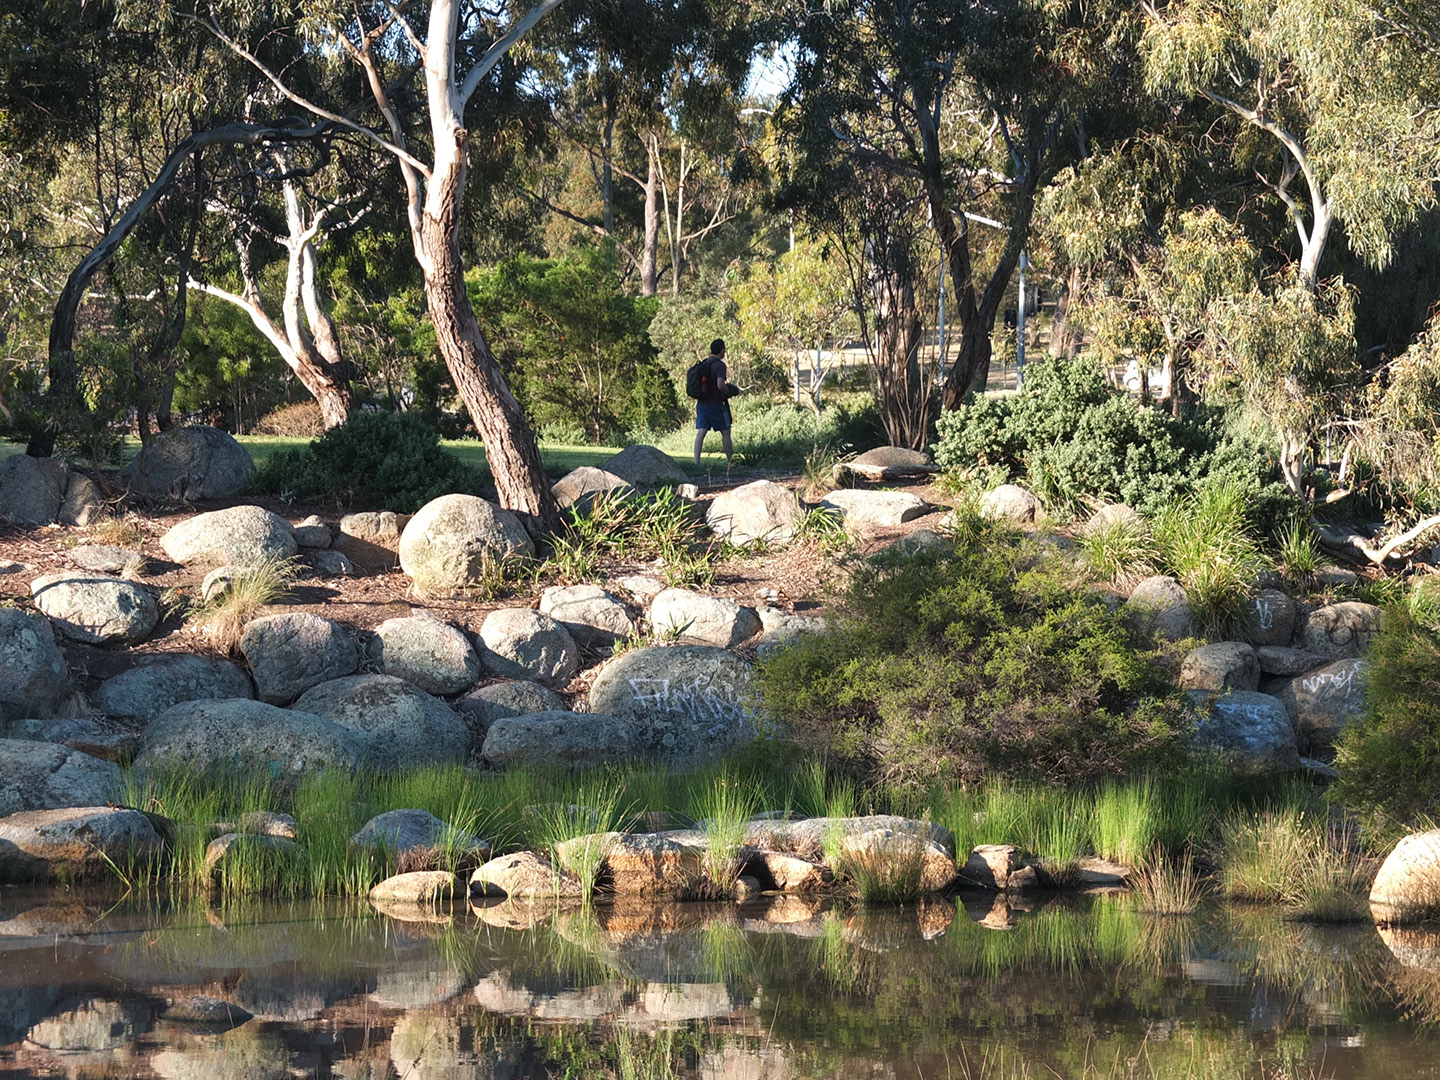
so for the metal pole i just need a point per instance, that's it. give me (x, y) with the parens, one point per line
(1020, 327)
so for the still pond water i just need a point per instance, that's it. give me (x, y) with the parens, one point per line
(771, 991)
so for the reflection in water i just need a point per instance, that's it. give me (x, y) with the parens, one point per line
(770, 991)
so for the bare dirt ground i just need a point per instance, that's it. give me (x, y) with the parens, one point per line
(798, 578)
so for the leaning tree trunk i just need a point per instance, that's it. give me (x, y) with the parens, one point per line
(650, 252)
(904, 401)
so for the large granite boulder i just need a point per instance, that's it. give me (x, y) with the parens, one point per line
(371, 541)
(75, 842)
(1250, 729)
(393, 724)
(695, 618)
(313, 533)
(1322, 701)
(246, 737)
(520, 643)
(32, 489)
(1223, 665)
(1339, 631)
(512, 697)
(95, 609)
(690, 700)
(425, 887)
(869, 510)
(1407, 886)
(593, 616)
(413, 840)
(759, 511)
(48, 776)
(1011, 503)
(583, 486)
(33, 673)
(157, 682)
(190, 463)
(639, 864)
(288, 654)
(1159, 607)
(1271, 618)
(237, 536)
(645, 467)
(450, 543)
(422, 650)
(524, 875)
(888, 463)
(561, 738)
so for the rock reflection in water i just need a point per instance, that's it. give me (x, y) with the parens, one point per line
(762, 990)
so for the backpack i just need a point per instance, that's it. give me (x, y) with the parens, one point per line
(700, 380)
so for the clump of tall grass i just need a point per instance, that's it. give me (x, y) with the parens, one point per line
(224, 614)
(1164, 886)
(1120, 551)
(1206, 541)
(886, 870)
(576, 834)
(1297, 554)
(724, 809)
(818, 476)
(1287, 856)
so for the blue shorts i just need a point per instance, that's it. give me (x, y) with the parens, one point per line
(712, 416)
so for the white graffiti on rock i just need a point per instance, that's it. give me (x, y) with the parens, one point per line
(700, 699)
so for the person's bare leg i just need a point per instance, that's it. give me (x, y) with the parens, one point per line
(725, 443)
(700, 443)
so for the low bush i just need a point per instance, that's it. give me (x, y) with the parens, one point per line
(975, 659)
(1206, 541)
(300, 420)
(391, 461)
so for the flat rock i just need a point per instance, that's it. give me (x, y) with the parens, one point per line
(102, 558)
(921, 540)
(1251, 729)
(1223, 665)
(524, 875)
(95, 609)
(513, 697)
(371, 540)
(1283, 660)
(394, 725)
(288, 654)
(330, 564)
(1407, 886)
(900, 856)
(1322, 701)
(1159, 607)
(33, 672)
(1271, 619)
(888, 463)
(864, 510)
(413, 840)
(690, 701)
(451, 542)
(422, 650)
(243, 736)
(581, 487)
(416, 887)
(645, 467)
(1339, 631)
(788, 873)
(1012, 503)
(32, 489)
(157, 682)
(520, 643)
(594, 616)
(205, 1011)
(694, 618)
(74, 842)
(48, 776)
(759, 511)
(562, 738)
(237, 536)
(81, 734)
(197, 462)
(93, 1025)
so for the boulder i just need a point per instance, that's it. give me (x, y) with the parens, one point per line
(513, 697)
(32, 489)
(989, 866)
(1250, 728)
(450, 543)
(1338, 631)
(886, 843)
(288, 654)
(80, 734)
(263, 855)
(330, 564)
(759, 511)
(920, 540)
(583, 486)
(525, 875)
(899, 857)
(313, 533)
(1407, 886)
(1159, 607)
(84, 502)
(371, 541)
(238, 536)
(210, 1013)
(642, 588)
(47, 776)
(157, 682)
(1114, 516)
(393, 724)
(95, 609)
(520, 643)
(694, 618)
(1283, 660)
(422, 650)
(1224, 665)
(1322, 701)
(190, 463)
(1012, 503)
(779, 628)
(267, 823)
(788, 873)
(593, 616)
(645, 467)
(33, 672)
(689, 700)
(411, 840)
(416, 887)
(561, 738)
(102, 558)
(243, 736)
(74, 842)
(640, 864)
(868, 510)
(1271, 618)
(888, 463)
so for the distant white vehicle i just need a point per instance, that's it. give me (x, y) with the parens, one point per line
(1158, 383)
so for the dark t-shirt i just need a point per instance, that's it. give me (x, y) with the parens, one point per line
(718, 371)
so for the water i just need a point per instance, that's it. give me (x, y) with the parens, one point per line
(772, 991)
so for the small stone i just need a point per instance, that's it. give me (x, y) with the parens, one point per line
(416, 887)
(313, 533)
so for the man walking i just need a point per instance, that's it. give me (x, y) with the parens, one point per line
(712, 412)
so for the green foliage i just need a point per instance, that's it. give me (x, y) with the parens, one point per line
(224, 615)
(1120, 551)
(1389, 757)
(981, 659)
(1286, 856)
(1206, 541)
(388, 460)
(574, 344)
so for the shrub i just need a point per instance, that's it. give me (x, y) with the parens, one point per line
(299, 420)
(388, 460)
(975, 659)
(1205, 540)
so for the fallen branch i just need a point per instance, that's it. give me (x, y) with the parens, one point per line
(1352, 543)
